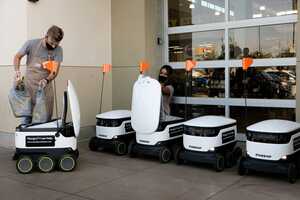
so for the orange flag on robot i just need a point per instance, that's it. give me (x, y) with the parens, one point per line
(144, 66)
(189, 65)
(247, 62)
(106, 68)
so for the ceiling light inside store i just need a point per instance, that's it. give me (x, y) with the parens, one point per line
(214, 7)
(192, 1)
(192, 6)
(262, 8)
(257, 15)
(217, 13)
(288, 12)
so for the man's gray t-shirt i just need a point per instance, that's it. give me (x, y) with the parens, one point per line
(29, 48)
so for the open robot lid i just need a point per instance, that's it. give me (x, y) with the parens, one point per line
(146, 102)
(75, 109)
(274, 126)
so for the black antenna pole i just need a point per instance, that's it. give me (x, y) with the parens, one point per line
(185, 95)
(245, 81)
(56, 109)
(102, 88)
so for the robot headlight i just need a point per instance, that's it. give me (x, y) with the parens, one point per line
(283, 157)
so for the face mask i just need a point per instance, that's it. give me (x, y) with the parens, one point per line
(162, 79)
(49, 47)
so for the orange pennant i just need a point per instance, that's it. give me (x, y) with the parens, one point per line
(247, 62)
(189, 65)
(144, 66)
(106, 68)
(51, 66)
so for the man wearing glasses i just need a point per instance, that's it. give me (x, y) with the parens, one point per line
(39, 51)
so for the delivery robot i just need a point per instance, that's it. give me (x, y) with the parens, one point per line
(46, 146)
(153, 136)
(209, 139)
(272, 146)
(113, 131)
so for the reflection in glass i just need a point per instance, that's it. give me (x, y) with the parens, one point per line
(250, 9)
(257, 114)
(190, 12)
(264, 82)
(275, 41)
(197, 110)
(209, 82)
(197, 46)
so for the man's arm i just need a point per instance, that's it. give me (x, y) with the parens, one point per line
(17, 60)
(18, 57)
(165, 90)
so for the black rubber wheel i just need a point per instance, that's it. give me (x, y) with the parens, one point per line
(292, 173)
(229, 160)
(219, 163)
(93, 144)
(24, 165)
(241, 169)
(131, 145)
(15, 156)
(177, 152)
(45, 163)
(67, 163)
(120, 148)
(165, 155)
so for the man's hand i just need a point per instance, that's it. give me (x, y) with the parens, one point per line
(43, 83)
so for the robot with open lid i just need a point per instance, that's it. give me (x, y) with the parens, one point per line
(209, 139)
(272, 146)
(153, 136)
(50, 144)
(113, 131)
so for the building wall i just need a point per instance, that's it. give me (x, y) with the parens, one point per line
(87, 45)
(136, 24)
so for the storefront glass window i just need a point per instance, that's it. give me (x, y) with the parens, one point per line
(209, 82)
(197, 46)
(247, 116)
(197, 110)
(251, 9)
(276, 41)
(191, 12)
(263, 82)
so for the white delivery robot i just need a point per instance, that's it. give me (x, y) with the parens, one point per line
(50, 144)
(113, 131)
(153, 137)
(211, 140)
(272, 146)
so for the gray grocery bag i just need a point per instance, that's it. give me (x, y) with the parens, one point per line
(39, 114)
(20, 100)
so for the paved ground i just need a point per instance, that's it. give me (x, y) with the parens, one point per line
(102, 175)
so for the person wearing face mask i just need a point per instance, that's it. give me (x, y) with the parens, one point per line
(167, 90)
(39, 51)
